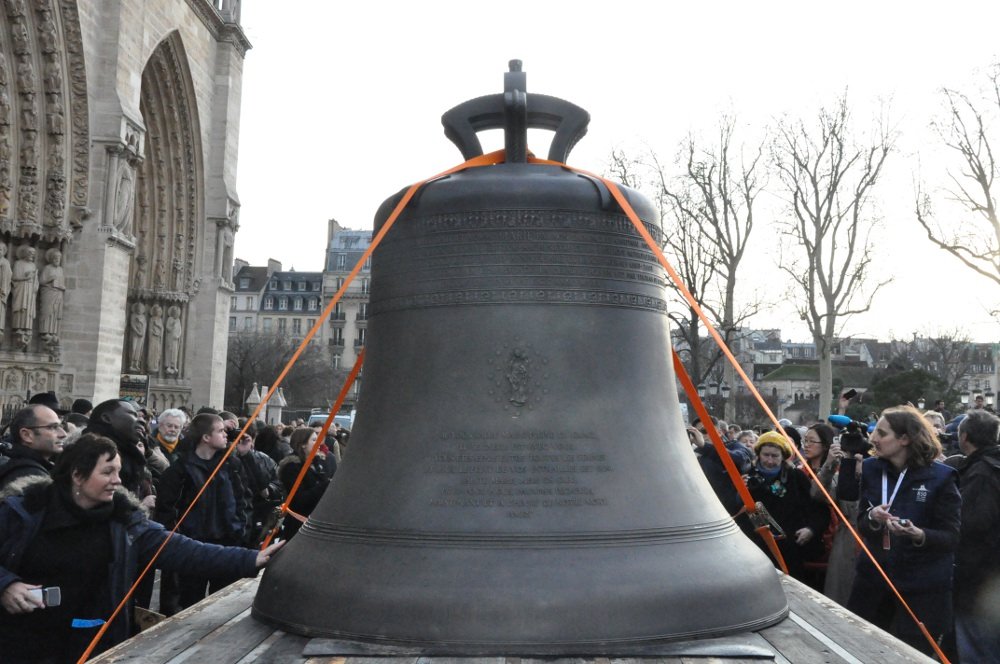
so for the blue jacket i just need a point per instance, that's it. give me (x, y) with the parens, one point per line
(929, 497)
(134, 540)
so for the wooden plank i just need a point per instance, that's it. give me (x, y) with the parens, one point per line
(279, 648)
(166, 640)
(796, 645)
(860, 638)
(231, 642)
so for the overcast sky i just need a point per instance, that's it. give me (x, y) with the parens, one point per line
(342, 104)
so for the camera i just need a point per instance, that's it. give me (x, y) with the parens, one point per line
(232, 435)
(51, 596)
(853, 434)
(904, 523)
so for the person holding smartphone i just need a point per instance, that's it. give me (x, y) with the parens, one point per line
(909, 517)
(80, 532)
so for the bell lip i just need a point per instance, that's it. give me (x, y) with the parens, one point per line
(360, 644)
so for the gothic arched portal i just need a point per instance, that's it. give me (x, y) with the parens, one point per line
(167, 200)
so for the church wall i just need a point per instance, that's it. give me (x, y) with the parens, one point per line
(119, 37)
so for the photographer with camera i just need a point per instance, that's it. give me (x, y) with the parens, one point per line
(840, 474)
(909, 516)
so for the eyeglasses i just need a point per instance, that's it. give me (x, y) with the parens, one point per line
(55, 426)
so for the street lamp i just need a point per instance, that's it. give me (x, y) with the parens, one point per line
(920, 403)
(989, 397)
(713, 388)
(724, 389)
(965, 398)
(701, 390)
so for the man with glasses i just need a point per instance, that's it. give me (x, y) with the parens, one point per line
(37, 436)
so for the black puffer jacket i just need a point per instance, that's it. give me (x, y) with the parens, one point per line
(978, 556)
(134, 540)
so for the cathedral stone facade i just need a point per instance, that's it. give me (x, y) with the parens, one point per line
(119, 122)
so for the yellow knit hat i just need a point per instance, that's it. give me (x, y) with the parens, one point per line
(776, 439)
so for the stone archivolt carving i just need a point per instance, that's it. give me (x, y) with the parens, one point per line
(49, 128)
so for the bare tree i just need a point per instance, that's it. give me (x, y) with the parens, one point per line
(972, 235)
(828, 178)
(708, 218)
(949, 356)
(256, 357)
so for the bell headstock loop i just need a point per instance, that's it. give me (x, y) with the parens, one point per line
(515, 111)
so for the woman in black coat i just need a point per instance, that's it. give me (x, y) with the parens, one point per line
(784, 491)
(313, 484)
(82, 532)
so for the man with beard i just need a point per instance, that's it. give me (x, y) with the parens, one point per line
(119, 421)
(169, 425)
(37, 437)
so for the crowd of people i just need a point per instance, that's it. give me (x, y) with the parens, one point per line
(921, 490)
(87, 497)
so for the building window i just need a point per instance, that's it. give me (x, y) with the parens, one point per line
(341, 261)
(244, 282)
(267, 325)
(310, 323)
(273, 285)
(283, 304)
(365, 286)
(368, 264)
(360, 341)
(232, 322)
(282, 325)
(316, 285)
(250, 302)
(296, 326)
(297, 305)
(336, 361)
(248, 323)
(313, 304)
(269, 302)
(232, 303)
(286, 285)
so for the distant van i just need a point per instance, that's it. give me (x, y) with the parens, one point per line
(316, 419)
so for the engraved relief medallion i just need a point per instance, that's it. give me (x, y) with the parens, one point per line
(518, 376)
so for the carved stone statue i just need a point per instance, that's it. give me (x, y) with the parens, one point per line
(137, 326)
(5, 275)
(24, 280)
(52, 288)
(155, 351)
(174, 331)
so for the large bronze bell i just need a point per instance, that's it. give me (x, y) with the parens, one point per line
(519, 480)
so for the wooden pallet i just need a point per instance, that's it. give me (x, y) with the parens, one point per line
(220, 630)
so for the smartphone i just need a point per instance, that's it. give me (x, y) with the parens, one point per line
(51, 596)
(850, 394)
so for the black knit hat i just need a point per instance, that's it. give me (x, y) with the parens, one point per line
(82, 406)
(47, 399)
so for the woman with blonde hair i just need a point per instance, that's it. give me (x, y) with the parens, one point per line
(909, 516)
